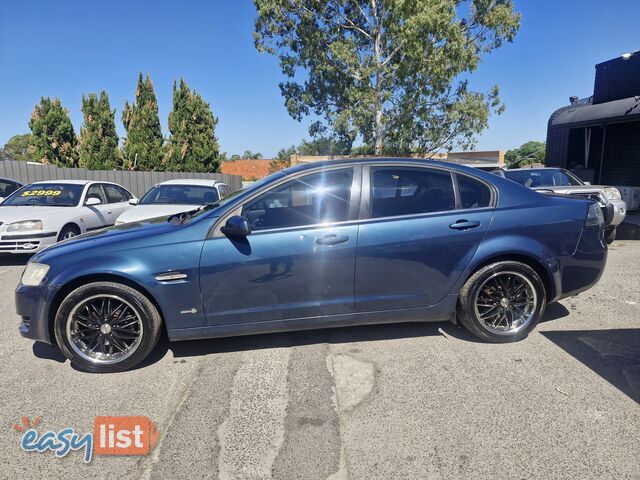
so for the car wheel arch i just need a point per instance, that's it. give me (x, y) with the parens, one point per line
(71, 224)
(70, 286)
(529, 260)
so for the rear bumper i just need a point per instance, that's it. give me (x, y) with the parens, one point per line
(582, 270)
(619, 211)
(26, 242)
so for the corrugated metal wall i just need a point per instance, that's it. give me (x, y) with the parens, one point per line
(136, 182)
(622, 155)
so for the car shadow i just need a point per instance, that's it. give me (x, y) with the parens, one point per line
(14, 259)
(342, 335)
(613, 354)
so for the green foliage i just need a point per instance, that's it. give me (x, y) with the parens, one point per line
(248, 154)
(53, 140)
(193, 146)
(98, 137)
(19, 147)
(143, 147)
(530, 152)
(391, 73)
(324, 145)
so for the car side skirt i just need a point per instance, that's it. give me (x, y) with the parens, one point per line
(442, 311)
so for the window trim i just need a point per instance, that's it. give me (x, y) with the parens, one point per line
(352, 212)
(365, 207)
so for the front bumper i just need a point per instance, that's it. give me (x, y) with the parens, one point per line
(26, 242)
(32, 304)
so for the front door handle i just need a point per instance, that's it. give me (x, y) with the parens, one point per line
(464, 224)
(332, 239)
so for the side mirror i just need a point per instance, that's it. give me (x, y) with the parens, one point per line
(91, 201)
(1, 199)
(236, 226)
(587, 183)
(133, 201)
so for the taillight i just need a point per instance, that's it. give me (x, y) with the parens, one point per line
(594, 216)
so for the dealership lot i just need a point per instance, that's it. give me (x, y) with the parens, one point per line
(391, 401)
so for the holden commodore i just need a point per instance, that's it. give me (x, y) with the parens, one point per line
(330, 244)
(44, 213)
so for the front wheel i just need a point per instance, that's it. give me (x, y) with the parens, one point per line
(502, 302)
(106, 327)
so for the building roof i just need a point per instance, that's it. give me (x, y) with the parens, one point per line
(585, 112)
(248, 169)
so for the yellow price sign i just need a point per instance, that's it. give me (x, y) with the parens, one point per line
(41, 193)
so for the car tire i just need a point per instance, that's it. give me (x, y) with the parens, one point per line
(134, 327)
(69, 231)
(502, 302)
(609, 235)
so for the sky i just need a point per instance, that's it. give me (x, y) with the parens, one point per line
(69, 48)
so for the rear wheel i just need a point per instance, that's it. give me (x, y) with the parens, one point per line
(106, 327)
(69, 231)
(502, 302)
(609, 235)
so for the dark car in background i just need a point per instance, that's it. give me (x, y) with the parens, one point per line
(321, 245)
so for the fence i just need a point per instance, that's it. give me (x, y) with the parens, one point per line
(136, 182)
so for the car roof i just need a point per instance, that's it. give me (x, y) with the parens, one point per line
(192, 181)
(534, 168)
(66, 182)
(388, 161)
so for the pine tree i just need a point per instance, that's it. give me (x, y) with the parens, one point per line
(193, 146)
(54, 140)
(98, 137)
(142, 149)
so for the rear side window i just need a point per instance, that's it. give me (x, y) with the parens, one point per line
(114, 194)
(410, 191)
(473, 194)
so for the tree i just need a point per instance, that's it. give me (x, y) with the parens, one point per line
(324, 145)
(248, 154)
(142, 148)
(390, 72)
(19, 147)
(193, 146)
(53, 140)
(98, 137)
(530, 152)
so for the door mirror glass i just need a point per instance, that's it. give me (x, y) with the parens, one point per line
(133, 201)
(236, 226)
(91, 201)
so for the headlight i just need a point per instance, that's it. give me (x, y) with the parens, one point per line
(26, 226)
(34, 274)
(612, 193)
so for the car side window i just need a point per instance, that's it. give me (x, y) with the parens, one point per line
(97, 192)
(125, 193)
(7, 188)
(114, 194)
(410, 191)
(316, 198)
(473, 194)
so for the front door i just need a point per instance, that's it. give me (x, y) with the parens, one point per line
(419, 237)
(299, 260)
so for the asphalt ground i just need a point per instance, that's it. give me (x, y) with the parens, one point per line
(389, 401)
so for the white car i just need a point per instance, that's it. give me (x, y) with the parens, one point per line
(43, 213)
(175, 196)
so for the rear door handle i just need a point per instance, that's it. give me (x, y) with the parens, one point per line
(332, 239)
(464, 224)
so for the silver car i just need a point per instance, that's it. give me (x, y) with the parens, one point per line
(561, 181)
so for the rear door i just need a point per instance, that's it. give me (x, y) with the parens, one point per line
(420, 233)
(118, 199)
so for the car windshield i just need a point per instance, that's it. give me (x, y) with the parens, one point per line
(543, 178)
(180, 194)
(46, 195)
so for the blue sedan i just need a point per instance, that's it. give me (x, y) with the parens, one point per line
(322, 245)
